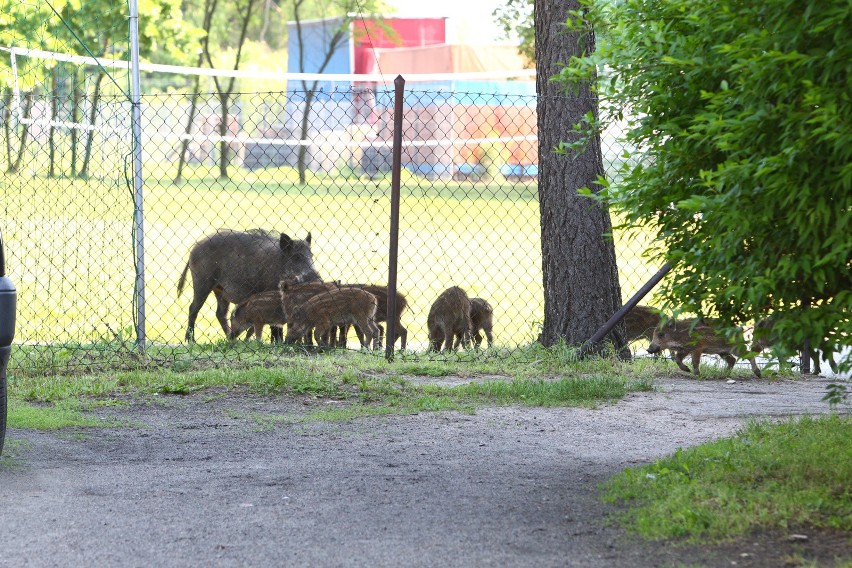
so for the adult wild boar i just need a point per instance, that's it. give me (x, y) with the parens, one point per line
(235, 265)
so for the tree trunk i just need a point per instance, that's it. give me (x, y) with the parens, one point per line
(225, 94)
(7, 124)
(90, 135)
(193, 106)
(264, 27)
(224, 147)
(25, 131)
(75, 119)
(581, 288)
(54, 116)
(302, 160)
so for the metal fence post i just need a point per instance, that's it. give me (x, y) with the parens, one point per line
(390, 337)
(138, 217)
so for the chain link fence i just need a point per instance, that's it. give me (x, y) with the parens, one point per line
(300, 163)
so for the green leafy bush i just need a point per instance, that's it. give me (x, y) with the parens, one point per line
(740, 112)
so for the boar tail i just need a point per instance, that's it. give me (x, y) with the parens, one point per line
(182, 280)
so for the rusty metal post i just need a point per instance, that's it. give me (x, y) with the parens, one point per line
(396, 166)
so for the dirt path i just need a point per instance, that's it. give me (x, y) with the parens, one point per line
(219, 482)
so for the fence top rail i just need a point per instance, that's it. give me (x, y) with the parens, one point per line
(273, 75)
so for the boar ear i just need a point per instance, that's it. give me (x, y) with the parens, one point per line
(285, 242)
(308, 238)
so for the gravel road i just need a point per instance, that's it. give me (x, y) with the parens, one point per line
(203, 480)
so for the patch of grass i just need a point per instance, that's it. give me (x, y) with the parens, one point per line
(63, 415)
(364, 383)
(796, 473)
(566, 391)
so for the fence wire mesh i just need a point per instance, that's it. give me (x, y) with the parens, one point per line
(300, 163)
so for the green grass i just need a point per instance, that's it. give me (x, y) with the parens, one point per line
(794, 474)
(63, 414)
(361, 384)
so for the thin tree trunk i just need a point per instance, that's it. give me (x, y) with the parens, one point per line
(335, 42)
(224, 148)
(90, 135)
(54, 112)
(7, 125)
(75, 119)
(225, 94)
(267, 8)
(209, 9)
(25, 131)
(193, 107)
(303, 148)
(581, 288)
(184, 144)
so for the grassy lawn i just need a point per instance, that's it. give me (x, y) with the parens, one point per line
(70, 242)
(791, 475)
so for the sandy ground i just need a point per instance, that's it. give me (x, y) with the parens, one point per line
(222, 481)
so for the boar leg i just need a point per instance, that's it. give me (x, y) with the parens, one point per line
(696, 360)
(754, 368)
(730, 360)
(402, 333)
(344, 335)
(465, 338)
(448, 340)
(489, 336)
(222, 310)
(677, 357)
(321, 334)
(375, 329)
(195, 307)
(380, 338)
(369, 333)
(360, 334)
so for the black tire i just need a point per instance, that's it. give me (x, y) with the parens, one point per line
(4, 362)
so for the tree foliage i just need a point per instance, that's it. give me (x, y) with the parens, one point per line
(741, 114)
(515, 18)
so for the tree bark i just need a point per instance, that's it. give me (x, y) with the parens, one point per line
(7, 125)
(581, 288)
(75, 119)
(93, 118)
(25, 131)
(54, 116)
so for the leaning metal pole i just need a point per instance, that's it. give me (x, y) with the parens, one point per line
(616, 317)
(136, 127)
(396, 166)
